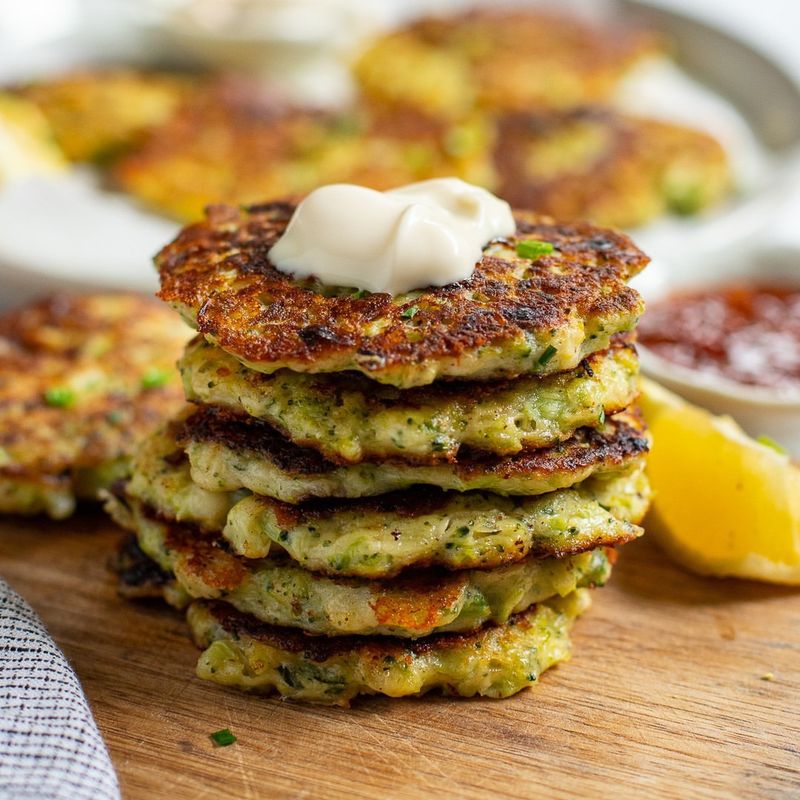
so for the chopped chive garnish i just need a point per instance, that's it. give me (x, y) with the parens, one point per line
(549, 352)
(222, 738)
(533, 248)
(767, 441)
(359, 294)
(154, 377)
(409, 312)
(59, 396)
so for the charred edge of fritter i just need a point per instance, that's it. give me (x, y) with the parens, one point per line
(622, 439)
(319, 648)
(241, 433)
(138, 576)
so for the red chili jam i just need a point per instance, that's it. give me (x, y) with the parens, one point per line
(743, 332)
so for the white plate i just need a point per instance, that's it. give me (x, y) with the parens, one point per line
(71, 232)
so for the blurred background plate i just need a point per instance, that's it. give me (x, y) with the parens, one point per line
(74, 232)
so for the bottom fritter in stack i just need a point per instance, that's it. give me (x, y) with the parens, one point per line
(335, 536)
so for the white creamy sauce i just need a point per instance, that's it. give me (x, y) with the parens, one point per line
(424, 234)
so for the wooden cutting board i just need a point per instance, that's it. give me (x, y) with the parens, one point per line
(665, 697)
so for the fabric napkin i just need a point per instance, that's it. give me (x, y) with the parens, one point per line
(49, 744)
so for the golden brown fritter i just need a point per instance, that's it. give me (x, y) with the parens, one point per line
(98, 114)
(229, 452)
(278, 591)
(495, 660)
(514, 316)
(234, 143)
(82, 379)
(498, 60)
(349, 418)
(596, 163)
(380, 536)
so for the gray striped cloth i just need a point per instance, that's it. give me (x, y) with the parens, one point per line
(49, 744)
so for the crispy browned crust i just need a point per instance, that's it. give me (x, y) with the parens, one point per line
(118, 339)
(319, 648)
(619, 181)
(621, 440)
(138, 576)
(512, 59)
(219, 270)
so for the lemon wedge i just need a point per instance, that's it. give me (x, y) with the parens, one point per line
(725, 504)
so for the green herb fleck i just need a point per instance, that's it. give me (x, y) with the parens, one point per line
(59, 396)
(359, 294)
(533, 248)
(409, 312)
(222, 738)
(772, 444)
(287, 676)
(549, 352)
(154, 377)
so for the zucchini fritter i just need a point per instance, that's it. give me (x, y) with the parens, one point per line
(349, 418)
(232, 143)
(82, 380)
(98, 114)
(514, 316)
(498, 60)
(596, 163)
(379, 537)
(494, 661)
(229, 452)
(277, 591)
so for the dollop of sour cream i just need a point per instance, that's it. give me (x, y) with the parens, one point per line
(425, 234)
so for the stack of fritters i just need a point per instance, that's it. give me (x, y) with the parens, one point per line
(376, 494)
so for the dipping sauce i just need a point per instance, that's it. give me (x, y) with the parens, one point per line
(748, 333)
(425, 234)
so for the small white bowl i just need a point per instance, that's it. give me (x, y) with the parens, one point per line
(760, 411)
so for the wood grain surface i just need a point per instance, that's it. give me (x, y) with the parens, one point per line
(665, 696)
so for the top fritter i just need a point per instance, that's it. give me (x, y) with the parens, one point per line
(538, 302)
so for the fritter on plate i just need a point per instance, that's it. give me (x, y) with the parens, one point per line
(237, 144)
(82, 380)
(498, 60)
(379, 537)
(513, 316)
(28, 146)
(277, 591)
(98, 114)
(596, 163)
(229, 452)
(494, 661)
(349, 418)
